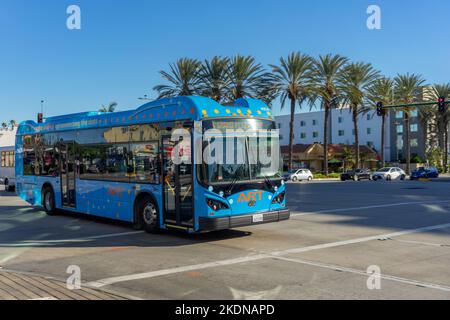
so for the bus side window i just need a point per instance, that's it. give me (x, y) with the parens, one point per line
(144, 162)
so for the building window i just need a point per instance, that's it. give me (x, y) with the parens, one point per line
(414, 143)
(302, 123)
(7, 159)
(279, 125)
(315, 134)
(370, 144)
(302, 135)
(399, 128)
(413, 113)
(314, 122)
(341, 133)
(340, 120)
(414, 128)
(368, 117)
(369, 130)
(281, 137)
(399, 115)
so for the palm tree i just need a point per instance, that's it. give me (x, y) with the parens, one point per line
(213, 79)
(12, 124)
(408, 90)
(111, 107)
(382, 91)
(245, 77)
(443, 90)
(292, 80)
(355, 81)
(183, 79)
(327, 70)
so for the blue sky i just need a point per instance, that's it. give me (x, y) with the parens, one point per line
(122, 45)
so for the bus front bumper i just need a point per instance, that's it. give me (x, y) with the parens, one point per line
(213, 224)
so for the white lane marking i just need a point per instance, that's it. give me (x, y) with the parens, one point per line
(11, 256)
(361, 272)
(227, 262)
(367, 207)
(364, 239)
(422, 243)
(34, 243)
(158, 273)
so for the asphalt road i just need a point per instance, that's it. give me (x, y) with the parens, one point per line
(337, 231)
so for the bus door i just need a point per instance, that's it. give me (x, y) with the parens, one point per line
(177, 184)
(67, 169)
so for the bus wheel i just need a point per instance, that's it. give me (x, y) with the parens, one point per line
(148, 215)
(48, 201)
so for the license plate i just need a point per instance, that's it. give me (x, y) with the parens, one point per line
(258, 218)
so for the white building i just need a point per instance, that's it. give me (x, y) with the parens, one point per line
(308, 129)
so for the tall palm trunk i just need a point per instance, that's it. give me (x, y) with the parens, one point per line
(383, 124)
(291, 132)
(445, 143)
(441, 131)
(325, 138)
(408, 143)
(355, 127)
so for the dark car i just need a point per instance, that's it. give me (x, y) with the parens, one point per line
(425, 173)
(356, 175)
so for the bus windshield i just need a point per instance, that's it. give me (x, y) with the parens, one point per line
(251, 156)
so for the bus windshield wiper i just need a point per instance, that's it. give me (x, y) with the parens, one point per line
(233, 182)
(231, 185)
(266, 178)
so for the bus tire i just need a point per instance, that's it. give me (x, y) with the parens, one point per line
(48, 201)
(148, 215)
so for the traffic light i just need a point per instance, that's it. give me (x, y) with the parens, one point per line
(380, 110)
(40, 117)
(441, 104)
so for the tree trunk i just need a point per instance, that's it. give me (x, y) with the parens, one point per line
(383, 122)
(291, 133)
(441, 131)
(325, 138)
(445, 143)
(355, 127)
(408, 143)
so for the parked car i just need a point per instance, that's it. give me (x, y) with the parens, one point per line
(287, 175)
(301, 174)
(389, 173)
(425, 173)
(356, 175)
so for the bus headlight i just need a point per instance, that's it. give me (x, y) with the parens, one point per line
(279, 198)
(216, 205)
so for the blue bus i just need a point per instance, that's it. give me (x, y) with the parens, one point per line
(120, 165)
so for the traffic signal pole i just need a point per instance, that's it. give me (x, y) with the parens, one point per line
(415, 104)
(442, 107)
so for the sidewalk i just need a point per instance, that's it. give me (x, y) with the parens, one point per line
(18, 286)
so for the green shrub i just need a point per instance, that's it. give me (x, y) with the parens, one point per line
(329, 176)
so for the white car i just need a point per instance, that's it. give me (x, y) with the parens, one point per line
(301, 174)
(388, 174)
